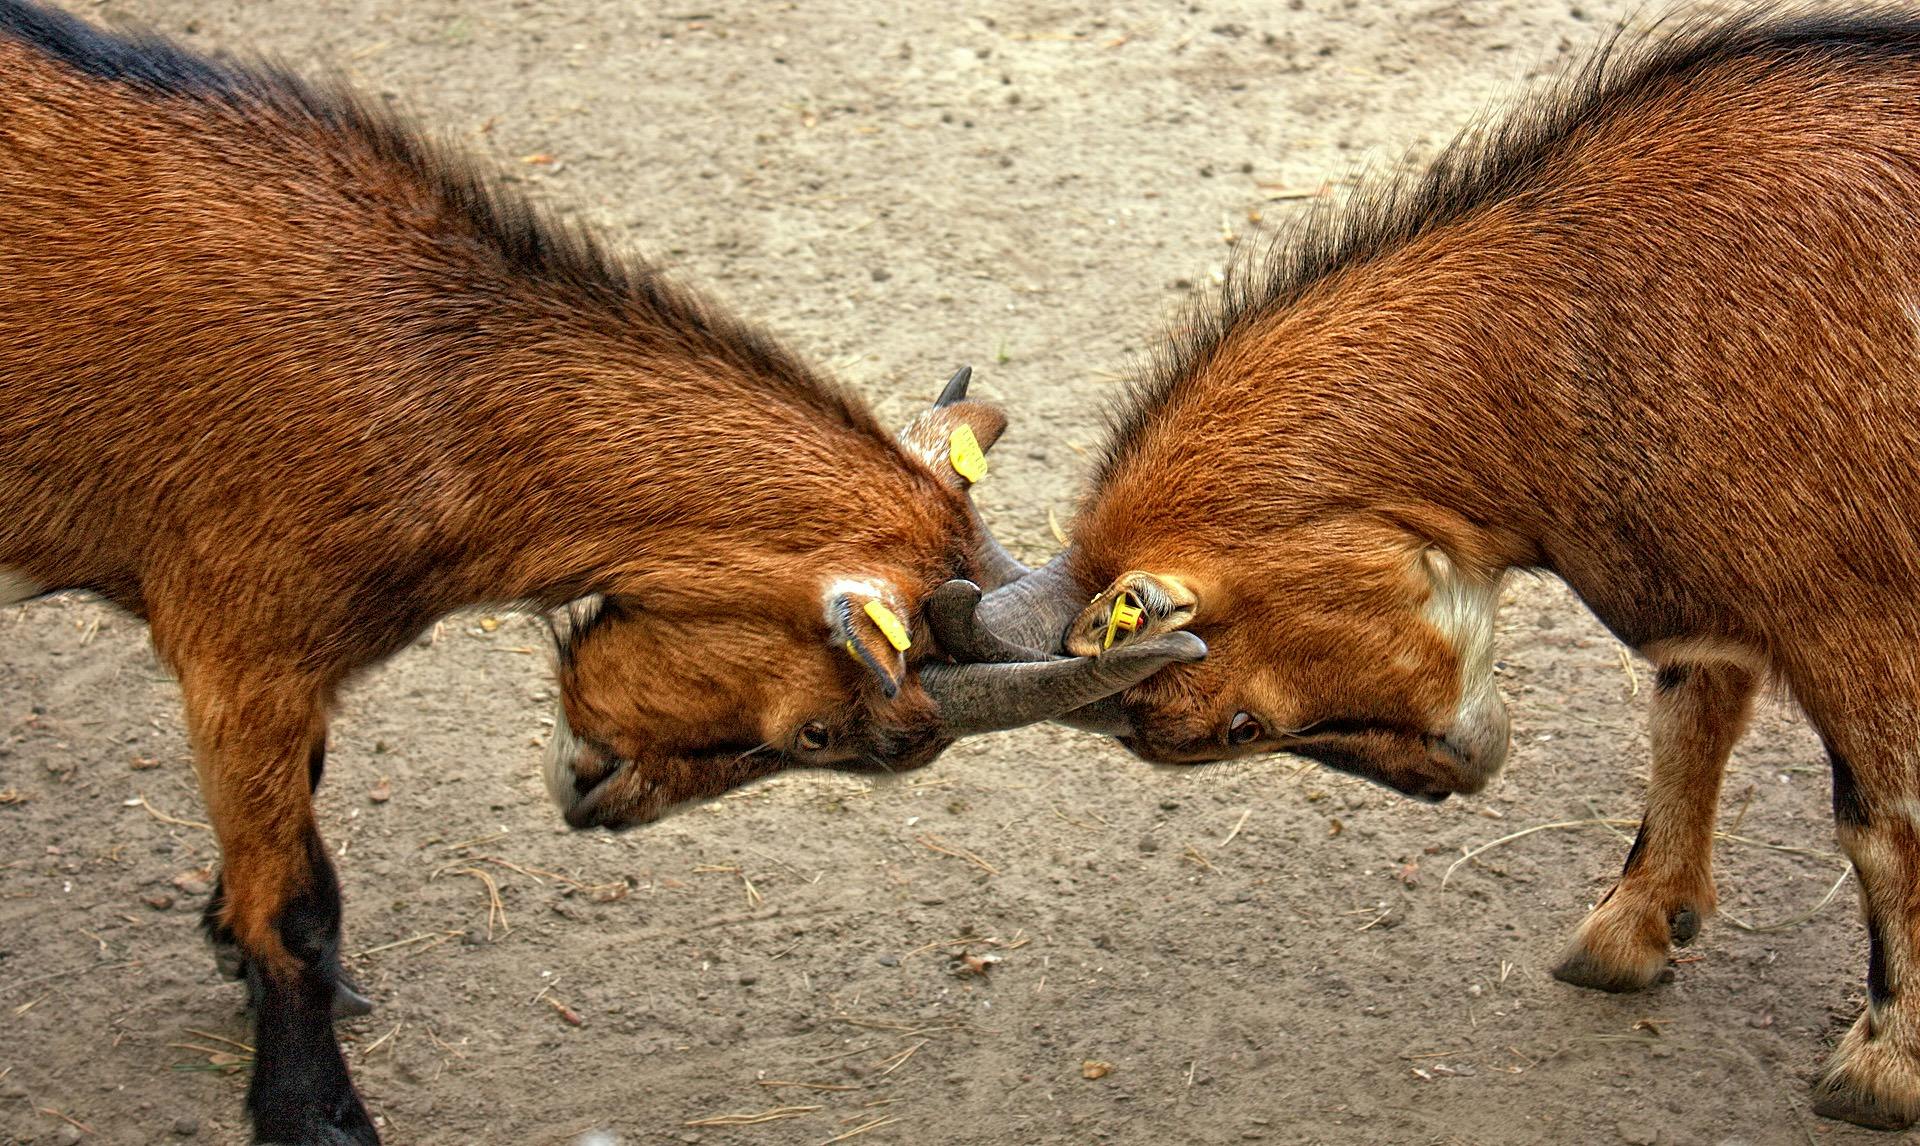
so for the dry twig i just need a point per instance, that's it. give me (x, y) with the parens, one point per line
(777, 1114)
(935, 843)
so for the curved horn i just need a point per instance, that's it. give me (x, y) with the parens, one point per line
(1035, 610)
(956, 388)
(998, 568)
(975, 698)
(951, 612)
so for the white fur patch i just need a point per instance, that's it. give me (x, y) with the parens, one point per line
(1463, 609)
(856, 589)
(561, 750)
(16, 587)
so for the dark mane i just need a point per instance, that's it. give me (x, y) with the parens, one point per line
(1484, 166)
(529, 243)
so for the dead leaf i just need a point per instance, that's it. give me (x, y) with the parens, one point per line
(381, 792)
(1094, 1068)
(971, 964)
(1335, 827)
(198, 881)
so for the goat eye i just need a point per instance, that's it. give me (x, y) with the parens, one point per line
(1243, 729)
(813, 736)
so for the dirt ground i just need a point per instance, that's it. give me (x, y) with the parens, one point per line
(1259, 952)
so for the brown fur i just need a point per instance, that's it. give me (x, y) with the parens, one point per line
(1658, 337)
(290, 384)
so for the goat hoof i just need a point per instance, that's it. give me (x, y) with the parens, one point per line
(1613, 952)
(1869, 1082)
(1581, 967)
(1845, 1104)
(324, 1136)
(348, 1002)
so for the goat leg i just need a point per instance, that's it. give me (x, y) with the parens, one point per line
(1665, 893)
(256, 739)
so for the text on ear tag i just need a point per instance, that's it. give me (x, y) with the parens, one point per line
(1126, 615)
(963, 449)
(889, 625)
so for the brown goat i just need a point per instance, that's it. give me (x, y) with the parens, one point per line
(289, 385)
(1659, 336)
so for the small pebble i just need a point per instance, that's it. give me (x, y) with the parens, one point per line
(889, 960)
(67, 1135)
(159, 901)
(186, 1127)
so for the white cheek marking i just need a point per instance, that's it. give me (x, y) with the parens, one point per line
(16, 587)
(850, 587)
(561, 750)
(1462, 608)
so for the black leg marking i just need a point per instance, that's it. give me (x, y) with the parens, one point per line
(1633, 853)
(1670, 677)
(300, 1091)
(1879, 993)
(231, 962)
(1849, 803)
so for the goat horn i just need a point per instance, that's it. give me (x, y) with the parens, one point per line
(975, 698)
(951, 612)
(1034, 611)
(956, 388)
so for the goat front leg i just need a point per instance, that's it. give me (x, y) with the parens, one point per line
(255, 738)
(348, 1001)
(1873, 1077)
(1666, 890)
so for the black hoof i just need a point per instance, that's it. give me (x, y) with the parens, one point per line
(1579, 968)
(327, 1136)
(1847, 1105)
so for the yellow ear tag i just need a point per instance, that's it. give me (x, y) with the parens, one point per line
(889, 625)
(969, 461)
(1126, 615)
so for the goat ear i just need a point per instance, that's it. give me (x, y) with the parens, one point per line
(1136, 606)
(955, 433)
(860, 621)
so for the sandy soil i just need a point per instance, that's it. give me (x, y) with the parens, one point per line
(1265, 951)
